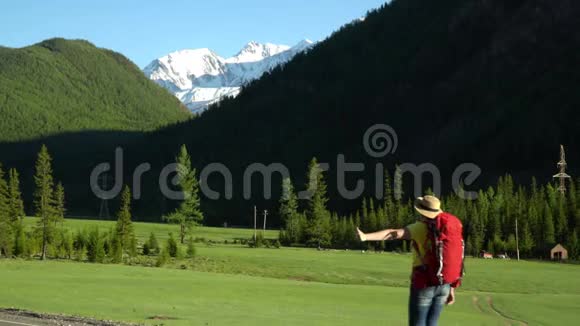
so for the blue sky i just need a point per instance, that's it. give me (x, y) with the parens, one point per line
(144, 30)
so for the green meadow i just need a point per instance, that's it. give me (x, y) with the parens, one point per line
(161, 231)
(236, 285)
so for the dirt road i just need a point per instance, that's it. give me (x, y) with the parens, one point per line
(15, 317)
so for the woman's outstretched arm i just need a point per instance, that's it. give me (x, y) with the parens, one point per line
(384, 235)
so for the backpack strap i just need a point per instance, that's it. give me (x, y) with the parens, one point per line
(438, 250)
(416, 247)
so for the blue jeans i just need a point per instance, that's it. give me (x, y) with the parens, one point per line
(425, 305)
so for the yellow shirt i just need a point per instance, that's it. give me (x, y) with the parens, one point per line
(418, 232)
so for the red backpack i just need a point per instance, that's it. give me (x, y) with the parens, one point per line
(443, 262)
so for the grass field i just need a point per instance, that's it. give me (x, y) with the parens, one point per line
(234, 285)
(162, 231)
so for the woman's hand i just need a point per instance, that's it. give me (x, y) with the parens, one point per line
(451, 297)
(361, 235)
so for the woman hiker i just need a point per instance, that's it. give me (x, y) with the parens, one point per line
(437, 242)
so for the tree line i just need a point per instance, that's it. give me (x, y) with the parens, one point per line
(49, 206)
(50, 238)
(544, 216)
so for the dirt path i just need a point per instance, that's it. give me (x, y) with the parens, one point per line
(491, 309)
(507, 318)
(476, 305)
(16, 317)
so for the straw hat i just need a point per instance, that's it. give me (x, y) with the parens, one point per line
(428, 206)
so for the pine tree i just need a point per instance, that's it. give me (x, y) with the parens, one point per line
(510, 244)
(59, 202)
(15, 203)
(561, 223)
(482, 206)
(145, 250)
(534, 210)
(80, 244)
(67, 244)
(172, 246)
(405, 213)
(498, 245)
(460, 207)
(95, 247)
(335, 229)
(381, 219)
(548, 237)
(43, 198)
(153, 244)
(365, 216)
(474, 235)
(526, 239)
(344, 237)
(572, 202)
(397, 219)
(289, 215)
(388, 204)
(573, 246)
(503, 207)
(350, 233)
(552, 196)
(319, 232)
(356, 221)
(188, 214)
(398, 182)
(577, 212)
(20, 241)
(163, 257)
(124, 228)
(508, 213)
(133, 246)
(16, 213)
(117, 250)
(494, 224)
(534, 226)
(372, 216)
(6, 225)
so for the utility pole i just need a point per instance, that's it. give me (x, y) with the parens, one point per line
(104, 209)
(265, 215)
(255, 213)
(562, 176)
(517, 243)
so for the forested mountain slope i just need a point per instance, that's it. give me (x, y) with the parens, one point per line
(61, 85)
(489, 82)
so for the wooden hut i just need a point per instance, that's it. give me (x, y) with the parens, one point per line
(559, 253)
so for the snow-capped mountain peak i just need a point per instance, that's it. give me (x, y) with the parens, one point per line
(175, 70)
(254, 51)
(305, 43)
(199, 77)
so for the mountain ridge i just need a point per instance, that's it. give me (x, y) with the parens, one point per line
(200, 77)
(60, 85)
